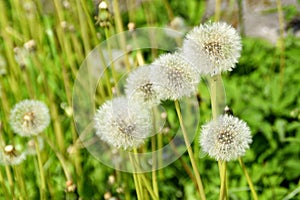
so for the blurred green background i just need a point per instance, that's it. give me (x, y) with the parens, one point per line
(43, 43)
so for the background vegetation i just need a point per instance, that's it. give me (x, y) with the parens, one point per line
(263, 90)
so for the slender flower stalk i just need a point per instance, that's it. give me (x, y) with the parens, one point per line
(223, 190)
(41, 170)
(190, 152)
(137, 184)
(3, 186)
(254, 194)
(218, 102)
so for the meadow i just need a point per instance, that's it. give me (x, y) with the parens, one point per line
(73, 56)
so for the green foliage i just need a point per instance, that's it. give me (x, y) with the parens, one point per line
(259, 90)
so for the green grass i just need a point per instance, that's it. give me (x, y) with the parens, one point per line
(258, 90)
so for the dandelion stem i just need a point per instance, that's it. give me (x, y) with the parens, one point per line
(185, 166)
(218, 101)
(222, 167)
(281, 43)
(154, 156)
(218, 10)
(190, 152)
(169, 9)
(248, 179)
(3, 186)
(135, 179)
(20, 180)
(159, 160)
(148, 187)
(141, 177)
(61, 158)
(41, 169)
(10, 181)
(119, 27)
(154, 165)
(111, 61)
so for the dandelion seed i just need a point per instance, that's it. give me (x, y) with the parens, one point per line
(213, 47)
(29, 117)
(10, 156)
(226, 138)
(70, 187)
(31, 146)
(174, 77)
(139, 87)
(30, 46)
(177, 26)
(122, 123)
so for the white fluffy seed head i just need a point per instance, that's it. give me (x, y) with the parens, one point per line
(140, 88)
(10, 156)
(213, 47)
(226, 138)
(29, 117)
(122, 123)
(174, 77)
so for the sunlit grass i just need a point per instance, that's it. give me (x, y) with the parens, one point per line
(44, 43)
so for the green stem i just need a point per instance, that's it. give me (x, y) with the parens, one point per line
(223, 193)
(61, 159)
(218, 10)
(10, 181)
(148, 187)
(41, 169)
(111, 61)
(136, 180)
(190, 152)
(154, 165)
(119, 27)
(20, 180)
(254, 194)
(3, 186)
(154, 156)
(217, 104)
(281, 43)
(169, 9)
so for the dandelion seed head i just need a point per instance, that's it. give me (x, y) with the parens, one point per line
(174, 76)
(29, 117)
(10, 156)
(213, 47)
(140, 88)
(31, 146)
(226, 138)
(122, 123)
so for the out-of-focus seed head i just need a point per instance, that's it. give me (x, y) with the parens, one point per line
(29, 117)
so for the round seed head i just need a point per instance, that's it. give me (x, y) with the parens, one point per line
(29, 117)
(122, 123)
(140, 88)
(225, 138)
(213, 48)
(174, 77)
(10, 156)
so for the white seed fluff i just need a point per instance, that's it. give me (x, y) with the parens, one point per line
(174, 77)
(122, 123)
(29, 117)
(213, 47)
(140, 88)
(226, 138)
